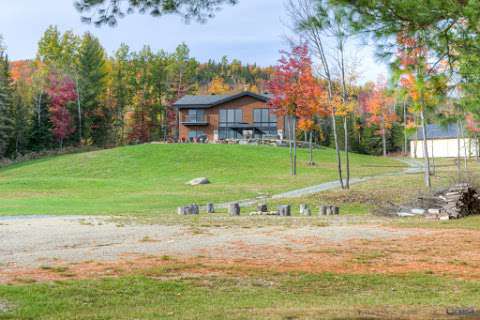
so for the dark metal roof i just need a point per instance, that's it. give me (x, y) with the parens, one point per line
(214, 100)
(435, 131)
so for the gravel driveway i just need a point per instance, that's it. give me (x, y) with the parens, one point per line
(36, 241)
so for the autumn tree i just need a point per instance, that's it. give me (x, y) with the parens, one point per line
(57, 53)
(315, 105)
(218, 86)
(61, 91)
(381, 112)
(295, 93)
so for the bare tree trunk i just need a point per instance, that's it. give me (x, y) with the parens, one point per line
(290, 142)
(79, 111)
(434, 172)
(122, 131)
(428, 182)
(335, 135)
(347, 153)
(337, 149)
(311, 148)
(294, 145)
(416, 141)
(17, 143)
(477, 148)
(384, 139)
(465, 154)
(470, 147)
(39, 108)
(405, 142)
(459, 170)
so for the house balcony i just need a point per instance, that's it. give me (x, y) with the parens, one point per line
(195, 121)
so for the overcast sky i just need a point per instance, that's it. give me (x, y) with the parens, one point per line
(252, 31)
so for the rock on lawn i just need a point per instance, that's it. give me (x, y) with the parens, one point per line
(198, 181)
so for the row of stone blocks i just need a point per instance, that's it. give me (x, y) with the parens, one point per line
(194, 209)
(262, 209)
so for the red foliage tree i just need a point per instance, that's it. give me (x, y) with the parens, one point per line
(61, 91)
(296, 92)
(140, 132)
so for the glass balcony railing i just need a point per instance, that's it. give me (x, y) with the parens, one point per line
(199, 119)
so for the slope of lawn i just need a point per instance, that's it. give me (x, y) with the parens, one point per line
(151, 178)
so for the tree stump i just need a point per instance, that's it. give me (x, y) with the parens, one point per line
(234, 209)
(285, 211)
(210, 208)
(323, 210)
(263, 208)
(194, 209)
(329, 211)
(336, 210)
(183, 211)
(304, 209)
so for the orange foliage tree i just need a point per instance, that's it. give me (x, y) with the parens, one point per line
(380, 111)
(296, 93)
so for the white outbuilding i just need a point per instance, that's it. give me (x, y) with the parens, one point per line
(442, 142)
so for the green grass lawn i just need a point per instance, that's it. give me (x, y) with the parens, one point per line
(159, 294)
(151, 179)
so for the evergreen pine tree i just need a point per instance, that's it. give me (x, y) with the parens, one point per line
(19, 112)
(92, 77)
(40, 136)
(6, 100)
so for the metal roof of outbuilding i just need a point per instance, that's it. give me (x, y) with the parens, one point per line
(435, 131)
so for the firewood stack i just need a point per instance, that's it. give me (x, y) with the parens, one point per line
(458, 201)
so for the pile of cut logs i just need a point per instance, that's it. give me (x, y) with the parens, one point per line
(459, 201)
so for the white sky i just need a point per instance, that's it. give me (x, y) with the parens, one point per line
(252, 31)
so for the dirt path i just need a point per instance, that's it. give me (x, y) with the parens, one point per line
(414, 166)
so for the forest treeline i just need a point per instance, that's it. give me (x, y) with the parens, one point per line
(75, 94)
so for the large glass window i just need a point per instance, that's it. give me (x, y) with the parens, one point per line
(228, 118)
(266, 120)
(195, 116)
(195, 134)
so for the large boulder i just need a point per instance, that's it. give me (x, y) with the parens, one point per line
(198, 181)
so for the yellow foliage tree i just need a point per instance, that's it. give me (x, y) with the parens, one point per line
(218, 86)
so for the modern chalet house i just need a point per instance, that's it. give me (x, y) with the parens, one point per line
(242, 115)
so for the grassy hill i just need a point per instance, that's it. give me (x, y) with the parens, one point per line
(151, 179)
